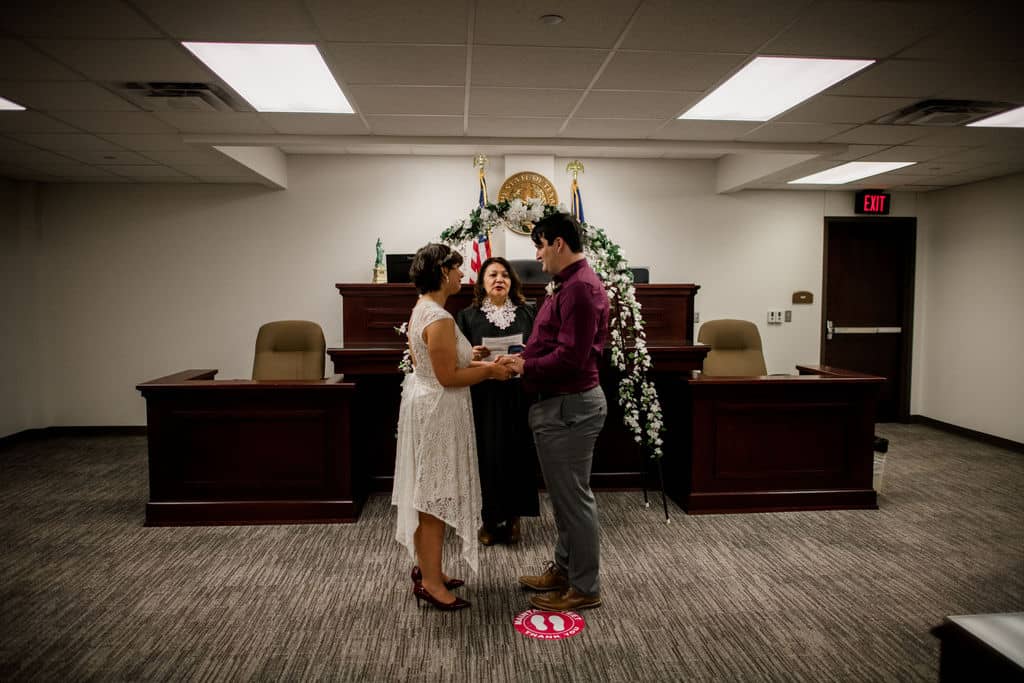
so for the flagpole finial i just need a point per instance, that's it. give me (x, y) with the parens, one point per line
(480, 161)
(575, 167)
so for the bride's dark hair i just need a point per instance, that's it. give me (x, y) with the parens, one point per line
(425, 271)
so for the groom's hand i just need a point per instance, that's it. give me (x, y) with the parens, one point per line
(515, 362)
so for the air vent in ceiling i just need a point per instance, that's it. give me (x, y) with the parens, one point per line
(944, 113)
(174, 96)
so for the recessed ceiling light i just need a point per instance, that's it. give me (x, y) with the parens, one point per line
(552, 19)
(275, 77)
(768, 86)
(855, 170)
(7, 105)
(1008, 119)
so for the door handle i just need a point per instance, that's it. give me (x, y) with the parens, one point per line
(828, 329)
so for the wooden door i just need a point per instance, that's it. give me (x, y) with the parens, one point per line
(868, 295)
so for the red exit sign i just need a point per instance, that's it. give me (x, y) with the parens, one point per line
(873, 202)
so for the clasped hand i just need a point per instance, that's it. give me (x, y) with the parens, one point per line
(513, 361)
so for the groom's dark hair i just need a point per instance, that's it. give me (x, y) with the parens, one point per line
(557, 225)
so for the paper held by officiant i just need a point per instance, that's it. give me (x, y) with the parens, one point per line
(498, 346)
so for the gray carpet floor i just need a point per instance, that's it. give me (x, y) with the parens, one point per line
(88, 593)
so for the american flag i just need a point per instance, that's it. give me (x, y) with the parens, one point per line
(482, 244)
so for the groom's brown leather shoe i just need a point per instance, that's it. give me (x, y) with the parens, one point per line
(553, 579)
(569, 601)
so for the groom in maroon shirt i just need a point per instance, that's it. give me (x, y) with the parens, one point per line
(560, 364)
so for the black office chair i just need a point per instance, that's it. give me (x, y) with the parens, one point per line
(529, 271)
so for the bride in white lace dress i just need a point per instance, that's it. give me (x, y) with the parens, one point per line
(436, 473)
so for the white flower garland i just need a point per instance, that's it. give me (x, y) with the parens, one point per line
(637, 394)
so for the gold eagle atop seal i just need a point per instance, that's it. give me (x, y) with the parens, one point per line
(525, 186)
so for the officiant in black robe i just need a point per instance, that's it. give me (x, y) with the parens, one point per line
(505, 450)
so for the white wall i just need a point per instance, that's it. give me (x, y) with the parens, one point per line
(969, 322)
(25, 379)
(138, 281)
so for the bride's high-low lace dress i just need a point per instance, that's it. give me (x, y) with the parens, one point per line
(435, 464)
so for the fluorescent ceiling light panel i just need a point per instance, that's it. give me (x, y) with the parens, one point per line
(1008, 119)
(847, 173)
(768, 86)
(7, 105)
(271, 77)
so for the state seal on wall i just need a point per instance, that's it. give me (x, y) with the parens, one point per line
(525, 186)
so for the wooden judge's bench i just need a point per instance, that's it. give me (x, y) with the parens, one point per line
(372, 349)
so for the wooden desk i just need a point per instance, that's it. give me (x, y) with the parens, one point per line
(799, 442)
(372, 349)
(245, 452)
(981, 647)
(618, 462)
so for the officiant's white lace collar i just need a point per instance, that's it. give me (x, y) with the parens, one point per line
(499, 316)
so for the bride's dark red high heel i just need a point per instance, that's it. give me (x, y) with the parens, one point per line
(450, 584)
(422, 593)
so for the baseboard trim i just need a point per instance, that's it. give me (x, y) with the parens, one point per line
(46, 432)
(1008, 444)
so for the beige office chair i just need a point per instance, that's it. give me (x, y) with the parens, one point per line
(735, 349)
(289, 349)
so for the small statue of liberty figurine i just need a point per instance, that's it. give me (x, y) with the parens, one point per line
(380, 274)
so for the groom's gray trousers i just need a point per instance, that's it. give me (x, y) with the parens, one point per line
(565, 428)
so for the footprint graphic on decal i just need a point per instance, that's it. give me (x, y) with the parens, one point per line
(537, 621)
(557, 622)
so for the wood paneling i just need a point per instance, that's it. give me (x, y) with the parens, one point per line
(245, 452)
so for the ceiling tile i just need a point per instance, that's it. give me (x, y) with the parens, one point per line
(667, 71)
(535, 66)
(515, 127)
(709, 25)
(222, 170)
(795, 132)
(215, 122)
(962, 136)
(415, 125)
(21, 62)
(73, 169)
(64, 96)
(854, 152)
(875, 134)
(391, 21)
(15, 172)
(981, 156)
(588, 23)
(65, 142)
(113, 157)
(522, 101)
(152, 171)
(975, 32)
(115, 122)
(614, 128)
(704, 130)
(12, 145)
(32, 157)
(934, 167)
(398, 64)
(841, 109)
(130, 60)
(897, 78)
(145, 143)
(195, 157)
(911, 153)
(854, 29)
(398, 99)
(74, 19)
(278, 21)
(31, 122)
(316, 124)
(636, 104)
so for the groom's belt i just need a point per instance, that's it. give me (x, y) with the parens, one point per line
(545, 395)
